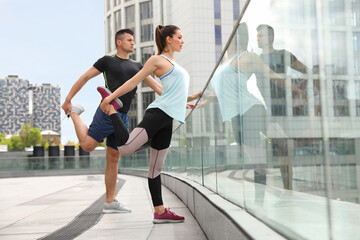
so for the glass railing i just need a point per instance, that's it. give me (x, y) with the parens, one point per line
(277, 128)
(22, 165)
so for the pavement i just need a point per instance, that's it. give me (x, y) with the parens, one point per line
(39, 207)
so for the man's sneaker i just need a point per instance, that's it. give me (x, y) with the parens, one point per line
(167, 217)
(106, 92)
(115, 207)
(77, 109)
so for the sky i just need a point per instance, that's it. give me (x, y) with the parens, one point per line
(54, 42)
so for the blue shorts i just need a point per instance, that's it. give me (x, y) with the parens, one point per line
(101, 127)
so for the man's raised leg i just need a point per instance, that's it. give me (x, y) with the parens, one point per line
(86, 142)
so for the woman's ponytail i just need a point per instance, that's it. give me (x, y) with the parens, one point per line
(159, 40)
(161, 33)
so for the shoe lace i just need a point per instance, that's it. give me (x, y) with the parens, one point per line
(172, 213)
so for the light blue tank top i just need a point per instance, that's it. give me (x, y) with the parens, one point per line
(175, 91)
(230, 86)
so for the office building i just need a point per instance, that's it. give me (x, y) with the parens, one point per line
(14, 104)
(205, 25)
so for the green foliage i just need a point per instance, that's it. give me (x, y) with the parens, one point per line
(35, 137)
(2, 138)
(24, 134)
(46, 145)
(73, 143)
(16, 143)
(102, 144)
(28, 137)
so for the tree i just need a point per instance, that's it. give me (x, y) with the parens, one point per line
(24, 134)
(2, 138)
(16, 143)
(35, 137)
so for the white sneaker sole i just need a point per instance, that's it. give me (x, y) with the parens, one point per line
(116, 211)
(167, 221)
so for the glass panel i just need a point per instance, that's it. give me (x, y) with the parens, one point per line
(130, 17)
(276, 131)
(109, 34)
(338, 55)
(117, 20)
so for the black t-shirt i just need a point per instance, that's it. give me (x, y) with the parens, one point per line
(279, 60)
(116, 72)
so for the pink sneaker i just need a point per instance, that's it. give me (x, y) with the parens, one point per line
(167, 217)
(106, 92)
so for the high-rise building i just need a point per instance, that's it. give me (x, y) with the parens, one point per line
(22, 103)
(46, 107)
(205, 24)
(14, 104)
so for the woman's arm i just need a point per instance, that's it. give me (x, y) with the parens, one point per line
(152, 83)
(194, 96)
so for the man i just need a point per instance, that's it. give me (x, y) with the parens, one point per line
(116, 69)
(279, 61)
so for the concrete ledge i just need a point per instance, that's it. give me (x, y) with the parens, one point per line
(218, 218)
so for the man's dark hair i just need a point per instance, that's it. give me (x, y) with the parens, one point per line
(121, 33)
(270, 29)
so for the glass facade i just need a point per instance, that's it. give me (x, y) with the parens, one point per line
(276, 131)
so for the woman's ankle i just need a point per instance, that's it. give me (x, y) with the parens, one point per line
(159, 209)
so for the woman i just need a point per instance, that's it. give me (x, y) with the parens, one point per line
(157, 122)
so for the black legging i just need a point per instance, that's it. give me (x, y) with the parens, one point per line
(157, 126)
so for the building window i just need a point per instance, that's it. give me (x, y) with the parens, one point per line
(218, 35)
(338, 53)
(278, 97)
(300, 107)
(109, 33)
(133, 55)
(279, 147)
(146, 53)
(146, 10)
(357, 95)
(236, 9)
(355, 13)
(117, 20)
(307, 147)
(336, 12)
(317, 103)
(342, 146)
(148, 97)
(146, 14)
(133, 105)
(218, 41)
(130, 18)
(341, 102)
(217, 9)
(356, 39)
(132, 123)
(147, 33)
(117, 2)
